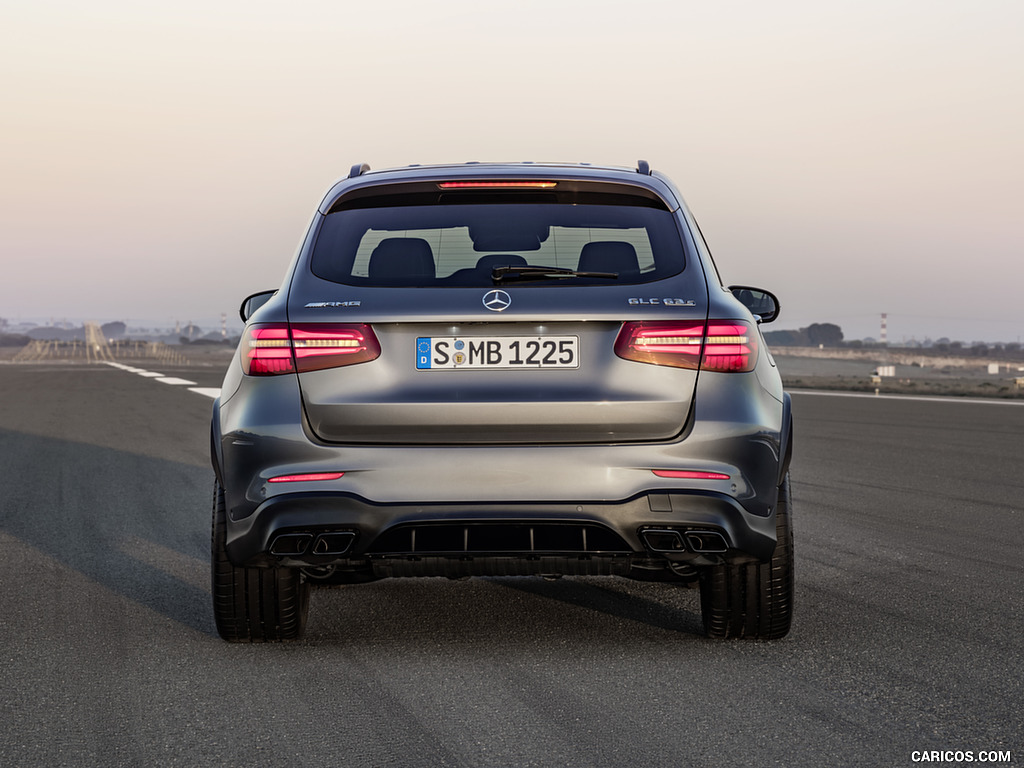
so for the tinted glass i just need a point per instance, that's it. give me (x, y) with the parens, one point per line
(459, 245)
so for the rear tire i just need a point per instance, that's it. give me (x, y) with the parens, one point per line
(753, 601)
(253, 605)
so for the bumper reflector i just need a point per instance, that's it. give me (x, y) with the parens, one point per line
(690, 474)
(309, 477)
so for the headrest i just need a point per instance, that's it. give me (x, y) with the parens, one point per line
(402, 260)
(610, 256)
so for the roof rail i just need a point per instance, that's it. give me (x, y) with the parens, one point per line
(358, 170)
(642, 166)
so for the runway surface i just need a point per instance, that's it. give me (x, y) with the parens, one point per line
(907, 636)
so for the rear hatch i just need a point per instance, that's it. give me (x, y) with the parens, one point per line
(491, 318)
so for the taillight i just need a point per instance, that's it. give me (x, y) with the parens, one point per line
(330, 346)
(269, 349)
(728, 346)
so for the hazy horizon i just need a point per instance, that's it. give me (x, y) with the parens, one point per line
(853, 158)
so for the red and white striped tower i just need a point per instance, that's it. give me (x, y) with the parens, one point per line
(884, 337)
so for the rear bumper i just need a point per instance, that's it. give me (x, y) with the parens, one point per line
(651, 530)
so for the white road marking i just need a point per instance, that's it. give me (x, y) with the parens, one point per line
(211, 392)
(917, 398)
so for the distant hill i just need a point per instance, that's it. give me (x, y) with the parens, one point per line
(14, 340)
(52, 333)
(114, 330)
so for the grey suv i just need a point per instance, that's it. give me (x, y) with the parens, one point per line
(502, 370)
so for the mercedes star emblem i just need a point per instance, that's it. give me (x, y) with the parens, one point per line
(496, 301)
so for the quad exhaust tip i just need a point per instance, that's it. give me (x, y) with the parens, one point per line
(291, 544)
(333, 543)
(663, 541)
(700, 542)
(706, 542)
(298, 544)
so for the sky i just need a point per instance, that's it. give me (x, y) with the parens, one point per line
(159, 161)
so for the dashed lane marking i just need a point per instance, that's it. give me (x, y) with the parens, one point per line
(211, 392)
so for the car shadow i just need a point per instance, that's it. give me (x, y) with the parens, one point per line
(523, 612)
(618, 597)
(135, 525)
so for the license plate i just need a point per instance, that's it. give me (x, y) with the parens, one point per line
(439, 353)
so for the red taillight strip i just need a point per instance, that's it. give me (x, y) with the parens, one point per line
(316, 341)
(658, 341)
(320, 346)
(281, 348)
(306, 478)
(729, 347)
(720, 345)
(267, 350)
(690, 474)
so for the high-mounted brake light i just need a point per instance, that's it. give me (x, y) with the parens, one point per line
(727, 346)
(269, 349)
(308, 477)
(689, 474)
(497, 184)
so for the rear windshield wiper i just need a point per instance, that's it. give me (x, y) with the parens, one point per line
(531, 272)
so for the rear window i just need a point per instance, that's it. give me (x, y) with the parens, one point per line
(459, 245)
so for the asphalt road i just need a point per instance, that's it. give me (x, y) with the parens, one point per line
(907, 635)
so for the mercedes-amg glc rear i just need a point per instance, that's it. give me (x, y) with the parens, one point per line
(496, 370)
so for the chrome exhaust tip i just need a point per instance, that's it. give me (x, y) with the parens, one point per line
(290, 544)
(663, 540)
(336, 543)
(706, 542)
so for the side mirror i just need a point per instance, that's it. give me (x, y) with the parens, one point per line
(763, 305)
(251, 303)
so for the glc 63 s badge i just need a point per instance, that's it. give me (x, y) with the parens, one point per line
(664, 302)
